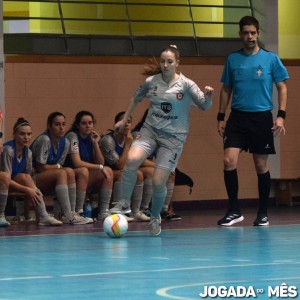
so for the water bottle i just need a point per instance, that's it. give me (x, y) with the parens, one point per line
(87, 212)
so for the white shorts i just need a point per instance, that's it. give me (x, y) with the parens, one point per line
(165, 147)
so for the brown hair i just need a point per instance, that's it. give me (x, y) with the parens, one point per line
(153, 67)
(20, 122)
(248, 20)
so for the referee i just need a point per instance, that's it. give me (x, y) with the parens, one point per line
(248, 78)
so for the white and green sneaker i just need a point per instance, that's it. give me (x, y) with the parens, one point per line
(154, 226)
(121, 208)
(74, 219)
(3, 221)
(140, 217)
(49, 221)
(101, 216)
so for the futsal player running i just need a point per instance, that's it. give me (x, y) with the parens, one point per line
(16, 160)
(49, 151)
(84, 152)
(165, 130)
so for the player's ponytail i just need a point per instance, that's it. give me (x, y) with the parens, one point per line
(152, 67)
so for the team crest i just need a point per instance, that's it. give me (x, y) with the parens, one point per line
(138, 136)
(166, 107)
(179, 96)
(154, 91)
(259, 71)
(75, 146)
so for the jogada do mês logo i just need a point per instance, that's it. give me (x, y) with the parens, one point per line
(250, 292)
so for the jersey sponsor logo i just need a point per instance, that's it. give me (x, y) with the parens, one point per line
(164, 117)
(45, 154)
(75, 146)
(179, 96)
(166, 107)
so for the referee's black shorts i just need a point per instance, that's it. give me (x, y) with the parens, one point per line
(250, 131)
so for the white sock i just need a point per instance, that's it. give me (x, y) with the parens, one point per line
(136, 198)
(147, 194)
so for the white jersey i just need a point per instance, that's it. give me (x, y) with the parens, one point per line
(170, 104)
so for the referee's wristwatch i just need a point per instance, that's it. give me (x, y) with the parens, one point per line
(1, 134)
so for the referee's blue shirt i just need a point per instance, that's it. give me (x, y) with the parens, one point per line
(251, 77)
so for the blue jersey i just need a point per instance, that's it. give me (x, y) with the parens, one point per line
(251, 77)
(44, 152)
(13, 164)
(81, 146)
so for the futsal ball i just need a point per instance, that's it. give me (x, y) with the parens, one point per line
(115, 225)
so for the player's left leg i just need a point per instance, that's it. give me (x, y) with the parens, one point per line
(264, 187)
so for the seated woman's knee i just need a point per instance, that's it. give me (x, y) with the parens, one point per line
(70, 173)
(5, 178)
(140, 177)
(23, 178)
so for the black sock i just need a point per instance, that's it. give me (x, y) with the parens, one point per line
(264, 187)
(232, 187)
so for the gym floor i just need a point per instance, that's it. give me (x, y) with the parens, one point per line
(191, 256)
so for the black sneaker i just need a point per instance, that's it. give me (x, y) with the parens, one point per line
(261, 220)
(170, 215)
(231, 218)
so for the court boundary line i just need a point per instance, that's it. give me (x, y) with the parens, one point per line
(145, 271)
(142, 231)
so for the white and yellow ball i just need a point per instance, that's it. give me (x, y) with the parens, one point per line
(115, 225)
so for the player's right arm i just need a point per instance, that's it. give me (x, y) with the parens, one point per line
(130, 109)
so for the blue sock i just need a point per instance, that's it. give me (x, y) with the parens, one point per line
(158, 199)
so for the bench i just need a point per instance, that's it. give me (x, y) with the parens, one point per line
(24, 208)
(284, 190)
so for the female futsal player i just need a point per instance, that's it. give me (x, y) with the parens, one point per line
(165, 130)
(16, 160)
(49, 151)
(84, 151)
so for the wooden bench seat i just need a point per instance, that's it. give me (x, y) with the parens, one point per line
(284, 190)
(24, 207)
